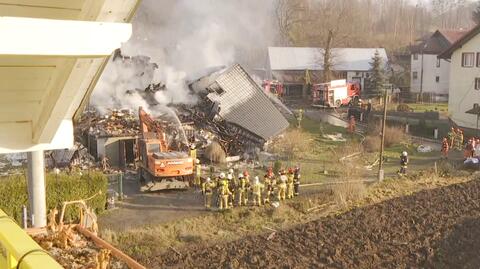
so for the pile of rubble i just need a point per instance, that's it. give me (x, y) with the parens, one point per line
(73, 251)
(205, 129)
(117, 123)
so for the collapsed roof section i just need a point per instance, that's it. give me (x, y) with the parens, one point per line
(240, 101)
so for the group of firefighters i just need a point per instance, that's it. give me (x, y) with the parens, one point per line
(456, 140)
(228, 190)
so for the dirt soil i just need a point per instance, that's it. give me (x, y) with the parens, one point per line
(436, 228)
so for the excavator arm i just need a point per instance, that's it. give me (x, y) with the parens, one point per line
(150, 126)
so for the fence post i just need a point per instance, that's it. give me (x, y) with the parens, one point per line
(120, 185)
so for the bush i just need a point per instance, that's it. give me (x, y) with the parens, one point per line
(59, 188)
(394, 135)
(371, 143)
(293, 145)
(215, 153)
(404, 108)
(349, 191)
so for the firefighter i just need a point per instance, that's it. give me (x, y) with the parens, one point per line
(105, 163)
(270, 173)
(243, 185)
(469, 149)
(282, 186)
(299, 117)
(232, 186)
(241, 188)
(224, 194)
(296, 180)
(268, 183)
(207, 190)
(403, 163)
(351, 124)
(257, 189)
(218, 186)
(459, 140)
(451, 137)
(198, 174)
(445, 148)
(290, 180)
(193, 152)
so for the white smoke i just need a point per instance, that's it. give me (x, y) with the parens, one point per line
(185, 37)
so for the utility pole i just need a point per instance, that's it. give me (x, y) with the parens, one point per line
(421, 73)
(381, 172)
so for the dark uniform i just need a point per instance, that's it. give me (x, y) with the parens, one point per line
(403, 164)
(296, 181)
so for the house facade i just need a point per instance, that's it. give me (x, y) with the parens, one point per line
(464, 57)
(296, 66)
(430, 75)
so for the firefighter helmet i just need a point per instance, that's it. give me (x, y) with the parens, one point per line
(222, 175)
(405, 154)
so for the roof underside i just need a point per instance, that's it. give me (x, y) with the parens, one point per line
(344, 59)
(459, 43)
(38, 92)
(245, 104)
(438, 42)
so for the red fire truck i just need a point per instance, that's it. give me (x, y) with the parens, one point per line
(335, 93)
(274, 87)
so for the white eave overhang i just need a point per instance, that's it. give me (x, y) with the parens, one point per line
(51, 55)
(29, 36)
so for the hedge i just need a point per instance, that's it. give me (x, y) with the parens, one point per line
(59, 188)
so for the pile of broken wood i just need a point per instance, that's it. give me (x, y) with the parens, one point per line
(231, 138)
(72, 250)
(117, 123)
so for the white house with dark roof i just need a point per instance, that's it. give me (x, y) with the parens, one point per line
(464, 57)
(290, 64)
(429, 74)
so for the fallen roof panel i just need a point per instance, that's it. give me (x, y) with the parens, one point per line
(243, 103)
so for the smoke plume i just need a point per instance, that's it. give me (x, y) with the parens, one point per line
(181, 39)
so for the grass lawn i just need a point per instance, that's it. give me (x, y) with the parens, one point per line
(418, 107)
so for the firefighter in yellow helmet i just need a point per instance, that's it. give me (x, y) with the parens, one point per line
(282, 186)
(268, 182)
(224, 192)
(207, 190)
(290, 180)
(242, 189)
(198, 174)
(257, 189)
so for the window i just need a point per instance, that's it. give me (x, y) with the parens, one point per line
(478, 59)
(437, 79)
(468, 59)
(477, 84)
(415, 75)
(438, 62)
(415, 56)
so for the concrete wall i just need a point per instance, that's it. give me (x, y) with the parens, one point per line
(430, 72)
(462, 86)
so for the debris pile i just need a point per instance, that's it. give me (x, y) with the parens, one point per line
(207, 129)
(117, 123)
(73, 251)
(76, 157)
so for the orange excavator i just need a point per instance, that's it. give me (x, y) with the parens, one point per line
(160, 168)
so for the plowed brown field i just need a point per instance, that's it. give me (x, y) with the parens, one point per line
(437, 228)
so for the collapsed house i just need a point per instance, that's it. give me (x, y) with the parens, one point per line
(113, 137)
(232, 111)
(235, 110)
